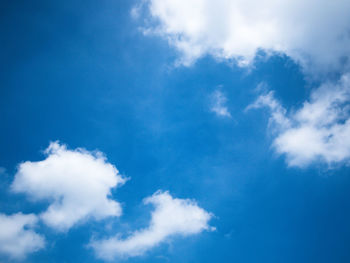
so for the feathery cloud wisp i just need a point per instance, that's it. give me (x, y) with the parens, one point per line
(218, 104)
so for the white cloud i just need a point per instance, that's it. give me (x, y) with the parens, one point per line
(77, 183)
(318, 131)
(278, 113)
(172, 216)
(314, 33)
(16, 238)
(218, 104)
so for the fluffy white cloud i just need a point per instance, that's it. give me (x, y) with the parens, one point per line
(315, 33)
(172, 216)
(319, 130)
(77, 183)
(16, 237)
(218, 104)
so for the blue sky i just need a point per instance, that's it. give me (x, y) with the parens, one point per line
(148, 131)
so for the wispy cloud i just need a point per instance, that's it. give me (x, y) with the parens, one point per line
(218, 104)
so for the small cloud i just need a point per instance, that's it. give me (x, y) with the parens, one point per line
(317, 131)
(171, 216)
(77, 183)
(218, 104)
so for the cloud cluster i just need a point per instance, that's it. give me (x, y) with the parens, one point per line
(77, 183)
(171, 216)
(17, 238)
(318, 131)
(313, 33)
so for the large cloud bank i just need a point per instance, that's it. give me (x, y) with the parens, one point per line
(314, 33)
(77, 183)
(17, 238)
(171, 216)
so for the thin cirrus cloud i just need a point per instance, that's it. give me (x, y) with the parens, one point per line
(171, 217)
(318, 131)
(235, 29)
(17, 238)
(77, 183)
(218, 104)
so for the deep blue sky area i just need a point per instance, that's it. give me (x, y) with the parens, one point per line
(82, 73)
